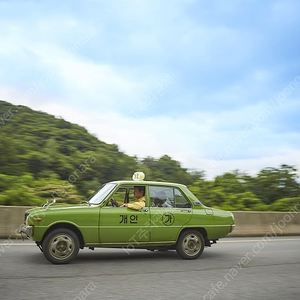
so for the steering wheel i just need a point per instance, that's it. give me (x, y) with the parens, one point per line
(114, 202)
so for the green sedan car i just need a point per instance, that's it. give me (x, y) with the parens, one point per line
(131, 215)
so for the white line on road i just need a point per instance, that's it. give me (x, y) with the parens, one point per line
(269, 240)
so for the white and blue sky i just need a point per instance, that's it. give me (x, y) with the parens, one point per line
(215, 84)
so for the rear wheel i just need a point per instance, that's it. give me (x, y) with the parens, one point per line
(61, 246)
(190, 244)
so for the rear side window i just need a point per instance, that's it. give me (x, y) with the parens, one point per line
(161, 196)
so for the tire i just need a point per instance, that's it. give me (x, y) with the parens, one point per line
(190, 244)
(61, 246)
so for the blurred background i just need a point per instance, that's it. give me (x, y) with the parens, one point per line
(204, 93)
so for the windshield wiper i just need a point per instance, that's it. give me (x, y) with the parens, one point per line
(85, 202)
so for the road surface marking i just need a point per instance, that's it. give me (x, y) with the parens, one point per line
(269, 240)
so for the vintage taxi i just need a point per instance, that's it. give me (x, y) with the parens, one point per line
(172, 218)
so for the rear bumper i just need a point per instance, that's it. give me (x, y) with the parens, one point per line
(232, 227)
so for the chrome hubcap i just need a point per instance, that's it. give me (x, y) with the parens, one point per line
(61, 246)
(191, 245)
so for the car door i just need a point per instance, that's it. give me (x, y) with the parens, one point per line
(122, 224)
(170, 210)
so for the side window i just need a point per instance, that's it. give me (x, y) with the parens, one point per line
(119, 196)
(180, 200)
(161, 196)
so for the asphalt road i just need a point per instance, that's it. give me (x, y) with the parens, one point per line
(235, 268)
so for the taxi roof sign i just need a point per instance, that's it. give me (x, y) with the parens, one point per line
(138, 176)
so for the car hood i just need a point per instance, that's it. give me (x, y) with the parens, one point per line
(56, 207)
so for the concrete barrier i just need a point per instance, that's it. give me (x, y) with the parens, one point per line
(11, 219)
(248, 223)
(255, 223)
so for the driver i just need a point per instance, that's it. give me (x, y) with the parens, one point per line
(139, 196)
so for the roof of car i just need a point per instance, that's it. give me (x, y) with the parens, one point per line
(145, 182)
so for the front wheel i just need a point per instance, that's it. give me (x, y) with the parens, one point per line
(190, 244)
(61, 246)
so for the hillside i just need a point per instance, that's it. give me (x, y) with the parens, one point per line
(44, 157)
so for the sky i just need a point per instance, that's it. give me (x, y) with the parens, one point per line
(214, 84)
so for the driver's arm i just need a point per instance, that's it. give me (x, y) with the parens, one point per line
(114, 201)
(136, 205)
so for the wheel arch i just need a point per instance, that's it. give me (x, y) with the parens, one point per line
(199, 229)
(68, 226)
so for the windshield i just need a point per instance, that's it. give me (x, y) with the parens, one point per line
(99, 196)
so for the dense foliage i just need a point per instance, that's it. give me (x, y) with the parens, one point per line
(44, 157)
(275, 189)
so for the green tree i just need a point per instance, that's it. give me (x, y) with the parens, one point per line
(243, 201)
(286, 204)
(231, 182)
(272, 184)
(202, 189)
(8, 156)
(167, 169)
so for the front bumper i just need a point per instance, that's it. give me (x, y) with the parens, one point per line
(28, 230)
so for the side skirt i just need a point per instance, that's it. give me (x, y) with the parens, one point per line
(135, 244)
